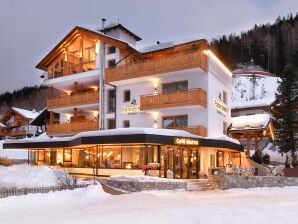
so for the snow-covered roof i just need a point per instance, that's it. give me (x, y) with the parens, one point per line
(26, 113)
(224, 138)
(255, 121)
(252, 103)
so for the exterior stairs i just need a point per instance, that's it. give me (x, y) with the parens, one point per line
(198, 185)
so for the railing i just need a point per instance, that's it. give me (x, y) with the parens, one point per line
(76, 99)
(196, 130)
(74, 127)
(15, 133)
(157, 66)
(176, 99)
(6, 192)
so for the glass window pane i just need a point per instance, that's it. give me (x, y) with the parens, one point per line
(133, 157)
(168, 122)
(182, 86)
(182, 121)
(168, 88)
(111, 157)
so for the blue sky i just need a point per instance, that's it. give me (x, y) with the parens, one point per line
(31, 28)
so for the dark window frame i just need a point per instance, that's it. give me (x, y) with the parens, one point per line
(124, 95)
(175, 122)
(109, 51)
(126, 122)
(174, 86)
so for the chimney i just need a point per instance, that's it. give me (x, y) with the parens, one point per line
(103, 20)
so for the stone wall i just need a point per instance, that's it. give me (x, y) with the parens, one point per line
(220, 180)
(132, 186)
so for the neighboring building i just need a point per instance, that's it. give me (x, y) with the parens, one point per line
(253, 91)
(16, 123)
(101, 80)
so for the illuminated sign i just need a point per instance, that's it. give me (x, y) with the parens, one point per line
(220, 106)
(132, 110)
(186, 141)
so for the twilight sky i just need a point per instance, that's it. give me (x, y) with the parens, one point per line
(31, 28)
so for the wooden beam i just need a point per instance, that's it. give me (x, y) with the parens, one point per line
(248, 147)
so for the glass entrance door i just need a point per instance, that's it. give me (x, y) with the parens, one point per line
(194, 167)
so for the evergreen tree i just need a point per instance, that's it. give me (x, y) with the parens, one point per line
(284, 113)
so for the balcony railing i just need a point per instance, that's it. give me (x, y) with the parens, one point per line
(73, 100)
(177, 99)
(196, 130)
(157, 66)
(75, 127)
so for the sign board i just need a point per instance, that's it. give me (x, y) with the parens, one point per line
(131, 109)
(186, 141)
(220, 106)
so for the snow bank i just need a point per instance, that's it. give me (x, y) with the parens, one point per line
(140, 179)
(29, 176)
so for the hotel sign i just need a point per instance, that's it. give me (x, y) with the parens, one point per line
(132, 110)
(186, 141)
(220, 106)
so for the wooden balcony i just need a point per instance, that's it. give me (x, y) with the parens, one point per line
(177, 99)
(195, 59)
(73, 100)
(196, 130)
(69, 128)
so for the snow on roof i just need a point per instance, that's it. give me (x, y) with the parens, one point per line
(250, 121)
(224, 138)
(2, 125)
(26, 113)
(252, 103)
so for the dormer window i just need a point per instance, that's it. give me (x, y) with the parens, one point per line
(111, 50)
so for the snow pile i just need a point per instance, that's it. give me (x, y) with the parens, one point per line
(250, 121)
(12, 154)
(29, 176)
(253, 92)
(275, 156)
(140, 179)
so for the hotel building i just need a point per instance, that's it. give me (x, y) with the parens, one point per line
(100, 80)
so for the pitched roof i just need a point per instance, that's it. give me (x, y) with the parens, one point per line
(112, 26)
(26, 113)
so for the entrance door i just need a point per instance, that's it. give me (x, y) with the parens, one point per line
(53, 157)
(194, 168)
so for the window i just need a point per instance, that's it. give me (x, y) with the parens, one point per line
(175, 121)
(111, 63)
(175, 87)
(111, 157)
(67, 155)
(126, 124)
(133, 157)
(126, 96)
(111, 100)
(224, 128)
(111, 123)
(111, 50)
(225, 97)
(220, 159)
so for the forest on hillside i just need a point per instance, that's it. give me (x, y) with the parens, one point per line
(271, 46)
(27, 98)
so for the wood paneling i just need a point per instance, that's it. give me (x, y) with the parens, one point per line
(176, 99)
(73, 100)
(182, 61)
(75, 127)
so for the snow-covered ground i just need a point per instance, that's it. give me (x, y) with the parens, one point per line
(92, 205)
(31, 176)
(141, 179)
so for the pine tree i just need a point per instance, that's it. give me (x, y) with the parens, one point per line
(284, 113)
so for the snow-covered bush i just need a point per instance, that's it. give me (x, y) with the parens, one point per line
(4, 161)
(65, 180)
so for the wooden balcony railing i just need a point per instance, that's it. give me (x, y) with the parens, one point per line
(15, 133)
(73, 100)
(196, 130)
(67, 128)
(176, 99)
(157, 66)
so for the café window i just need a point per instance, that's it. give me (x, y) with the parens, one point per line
(175, 121)
(126, 96)
(175, 87)
(41, 155)
(126, 124)
(111, 50)
(225, 97)
(111, 100)
(133, 157)
(67, 155)
(220, 159)
(111, 63)
(111, 157)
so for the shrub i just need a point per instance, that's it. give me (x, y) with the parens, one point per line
(266, 159)
(257, 157)
(4, 161)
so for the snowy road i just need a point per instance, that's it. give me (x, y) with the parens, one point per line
(275, 205)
